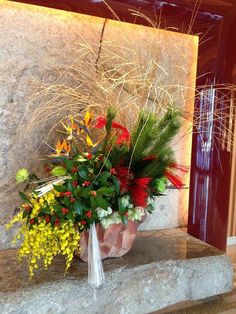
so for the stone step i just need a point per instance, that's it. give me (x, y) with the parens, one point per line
(163, 268)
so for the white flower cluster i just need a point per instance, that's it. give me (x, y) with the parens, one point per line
(107, 217)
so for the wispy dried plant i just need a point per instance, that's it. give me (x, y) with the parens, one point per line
(129, 75)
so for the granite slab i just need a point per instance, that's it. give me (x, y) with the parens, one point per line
(164, 267)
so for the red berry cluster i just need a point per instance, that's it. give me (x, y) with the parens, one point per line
(68, 194)
(89, 156)
(74, 169)
(64, 210)
(89, 214)
(75, 184)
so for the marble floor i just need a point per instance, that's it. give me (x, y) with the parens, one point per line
(223, 304)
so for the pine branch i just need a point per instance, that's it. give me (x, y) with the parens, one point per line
(152, 137)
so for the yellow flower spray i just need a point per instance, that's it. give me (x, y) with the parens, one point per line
(42, 241)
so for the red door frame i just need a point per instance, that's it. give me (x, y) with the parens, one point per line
(215, 22)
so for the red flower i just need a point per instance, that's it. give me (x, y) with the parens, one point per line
(32, 221)
(64, 210)
(61, 194)
(89, 156)
(100, 123)
(150, 157)
(181, 168)
(126, 214)
(139, 191)
(57, 222)
(83, 222)
(100, 157)
(72, 200)
(68, 193)
(89, 214)
(93, 193)
(27, 208)
(86, 183)
(174, 174)
(175, 179)
(74, 169)
(47, 218)
(75, 184)
(113, 171)
(123, 137)
(124, 176)
(136, 186)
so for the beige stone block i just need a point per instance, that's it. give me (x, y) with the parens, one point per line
(45, 45)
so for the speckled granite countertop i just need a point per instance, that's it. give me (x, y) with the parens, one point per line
(163, 267)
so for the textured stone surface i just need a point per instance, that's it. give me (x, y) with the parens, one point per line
(163, 268)
(36, 44)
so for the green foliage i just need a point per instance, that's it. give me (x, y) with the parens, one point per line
(151, 140)
(90, 186)
(93, 183)
(24, 197)
(109, 117)
(119, 153)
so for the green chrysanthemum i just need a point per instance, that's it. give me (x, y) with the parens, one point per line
(22, 175)
(161, 184)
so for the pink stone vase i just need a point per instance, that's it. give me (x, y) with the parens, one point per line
(114, 241)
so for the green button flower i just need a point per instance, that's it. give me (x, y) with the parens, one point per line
(22, 175)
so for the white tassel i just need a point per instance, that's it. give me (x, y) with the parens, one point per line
(45, 188)
(96, 275)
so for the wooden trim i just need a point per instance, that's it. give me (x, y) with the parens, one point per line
(232, 200)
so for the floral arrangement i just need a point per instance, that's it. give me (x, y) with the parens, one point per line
(101, 173)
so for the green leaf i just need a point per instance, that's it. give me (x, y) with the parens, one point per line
(60, 188)
(107, 164)
(101, 202)
(71, 216)
(75, 177)
(77, 190)
(53, 220)
(46, 210)
(78, 206)
(66, 202)
(57, 208)
(150, 208)
(68, 163)
(106, 191)
(104, 177)
(122, 208)
(93, 202)
(83, 174)
(116, 185)
(70, 186)
(124, 219)
(25, 214)
(24, 197)
(85, 192)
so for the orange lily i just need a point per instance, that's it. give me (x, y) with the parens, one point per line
(70, 128)
(88, 119)
(62, 149)
(85, 125)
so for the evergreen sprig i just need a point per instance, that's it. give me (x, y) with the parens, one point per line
(151, 138)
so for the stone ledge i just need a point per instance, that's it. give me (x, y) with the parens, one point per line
(163, 268)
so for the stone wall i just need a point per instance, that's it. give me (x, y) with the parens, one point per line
(35, 43)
